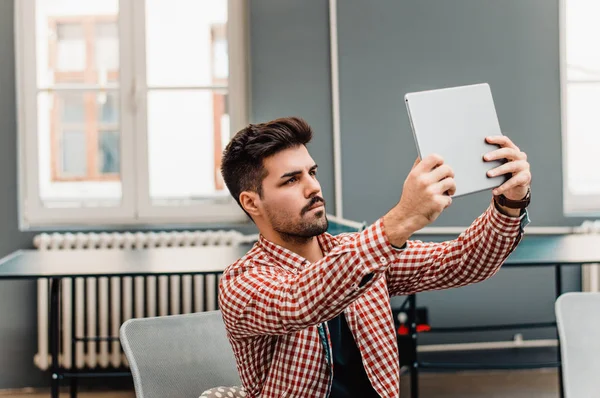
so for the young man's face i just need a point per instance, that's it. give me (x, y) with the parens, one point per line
(292, 203)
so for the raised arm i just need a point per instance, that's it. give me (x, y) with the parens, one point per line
(478, 252)
(475, 255)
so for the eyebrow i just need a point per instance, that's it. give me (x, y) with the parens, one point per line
(296, 172)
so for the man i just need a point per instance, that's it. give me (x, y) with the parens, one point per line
(308, 314)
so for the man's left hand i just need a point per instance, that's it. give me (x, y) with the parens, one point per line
(516, 187)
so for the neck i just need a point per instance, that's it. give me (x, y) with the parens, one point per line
(308, 248)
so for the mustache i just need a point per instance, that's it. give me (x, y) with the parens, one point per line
(313, 201)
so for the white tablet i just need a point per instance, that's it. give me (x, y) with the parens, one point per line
(453, 122)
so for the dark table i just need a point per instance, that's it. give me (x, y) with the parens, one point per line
(533, 251)
(55, 265)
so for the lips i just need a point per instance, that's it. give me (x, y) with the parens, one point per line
(316, 203)
(316, 206)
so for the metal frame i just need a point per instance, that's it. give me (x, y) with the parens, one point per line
(415, 364)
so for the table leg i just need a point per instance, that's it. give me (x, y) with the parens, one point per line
(558, 281)
(412, 328)
(54, 329)
(73, 384)
(73, 387)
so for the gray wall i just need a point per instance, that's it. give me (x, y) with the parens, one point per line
(387, 47)
(291, 75)
(17, 298)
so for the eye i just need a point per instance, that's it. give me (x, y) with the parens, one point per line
(291, 180)
(313, 173)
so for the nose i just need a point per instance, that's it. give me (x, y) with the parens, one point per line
(312, 187)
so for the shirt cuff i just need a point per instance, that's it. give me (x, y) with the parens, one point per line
(505, 225)
(375, 247)
(396, 248)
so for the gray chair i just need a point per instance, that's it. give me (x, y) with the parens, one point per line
(578, 318)
(178, 356)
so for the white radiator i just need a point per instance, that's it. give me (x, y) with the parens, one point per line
(151, 296)
(590, 275)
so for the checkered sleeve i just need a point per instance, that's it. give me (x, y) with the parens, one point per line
(475, 255)
(257, 298)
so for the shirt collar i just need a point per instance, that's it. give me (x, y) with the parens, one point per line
(290, 260)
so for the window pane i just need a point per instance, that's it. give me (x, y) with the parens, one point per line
(73, 154)
(70, 47)
(76, 44)
(108, 161)
(220, 60)
(108, 108)
(181, 48)
(108, 152)
(72, 108)
(582, 31)
(107, 47)
(66, 38)
(583, 126)
(184, 134)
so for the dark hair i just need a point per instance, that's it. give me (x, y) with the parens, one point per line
(242, 164)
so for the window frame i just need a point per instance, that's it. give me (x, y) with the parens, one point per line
(136, 207)
(574, 205)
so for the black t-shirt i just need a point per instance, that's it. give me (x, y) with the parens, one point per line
(349, 376)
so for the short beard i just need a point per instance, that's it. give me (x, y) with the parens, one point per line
(303, 232)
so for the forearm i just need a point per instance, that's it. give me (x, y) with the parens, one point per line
(475, 255)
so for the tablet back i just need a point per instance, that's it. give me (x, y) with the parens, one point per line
(453, 122)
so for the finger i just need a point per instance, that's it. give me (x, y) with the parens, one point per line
(444, 201)
(448, 202)
(452, 191)
(430, 162)
(439, 173)
(504, 153)
(447, 184)
(417, 161)
(521, 179)
(501, 140)
(510, 167)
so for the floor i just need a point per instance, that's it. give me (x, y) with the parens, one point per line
(488, 384)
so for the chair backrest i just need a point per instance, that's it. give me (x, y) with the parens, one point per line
(178, 356)
(578, 318)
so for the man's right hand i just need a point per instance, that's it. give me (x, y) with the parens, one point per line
(426, 193)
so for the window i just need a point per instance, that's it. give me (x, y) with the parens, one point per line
(125, 108)
(580, 88)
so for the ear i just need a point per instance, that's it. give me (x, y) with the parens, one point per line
(249, 201)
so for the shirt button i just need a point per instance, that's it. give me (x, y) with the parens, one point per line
(383, 260)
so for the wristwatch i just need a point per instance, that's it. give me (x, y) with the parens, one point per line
(514, 204)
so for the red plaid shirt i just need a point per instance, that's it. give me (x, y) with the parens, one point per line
(273, 300)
